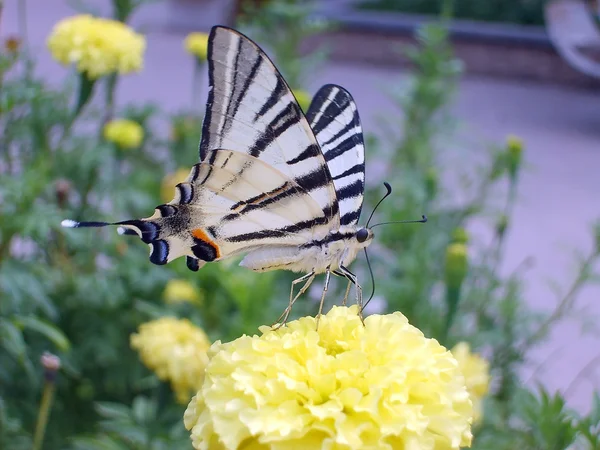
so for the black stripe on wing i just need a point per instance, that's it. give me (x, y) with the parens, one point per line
(334, 119)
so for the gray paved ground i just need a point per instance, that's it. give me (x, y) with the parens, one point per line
(560, 192)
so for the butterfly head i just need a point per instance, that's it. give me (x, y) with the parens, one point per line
(364, 236)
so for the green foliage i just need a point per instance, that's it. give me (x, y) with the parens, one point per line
(525, 12)
(82, 293)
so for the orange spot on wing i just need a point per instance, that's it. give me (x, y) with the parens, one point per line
(199, 233)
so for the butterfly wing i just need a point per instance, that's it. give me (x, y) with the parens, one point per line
(262, 179)
(334, 119)
(251, 109)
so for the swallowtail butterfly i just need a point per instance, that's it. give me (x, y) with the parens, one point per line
(284, 188)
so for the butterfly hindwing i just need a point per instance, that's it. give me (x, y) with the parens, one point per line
(334, 119)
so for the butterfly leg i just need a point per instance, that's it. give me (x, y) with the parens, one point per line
(350, 283)
(359, 297)
(309, 277)
(327, 277)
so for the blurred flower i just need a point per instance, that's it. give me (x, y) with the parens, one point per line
(167, 187)
(197, 45)
(62, 189)
(12, 44)
(127, 134)
(181, 291)
(456, 264)
(97, 46)
(50, 363)
(303, 99)
(175, 350)
(514, 148)
(345, 385)
(476, 371)
(431, 182)
(460, 236)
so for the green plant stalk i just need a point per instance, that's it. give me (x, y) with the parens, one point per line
(568, 300)
(44, 413)
(109, 108)
(452, 300)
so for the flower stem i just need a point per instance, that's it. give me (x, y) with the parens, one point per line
(44, 412)
(452, 299)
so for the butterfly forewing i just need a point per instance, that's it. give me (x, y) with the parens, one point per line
(334, 119)
(252, 110)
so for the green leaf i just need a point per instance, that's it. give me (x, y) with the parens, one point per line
(12, 339)
(86, 87)
(114, 411)
(46, 329)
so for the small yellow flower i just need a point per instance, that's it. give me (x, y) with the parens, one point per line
(167, 187)
(97, 46)
(175, 350)
(303, 99)
(127, 134)
(181, 291)
(476, 371)
(197, 45)
(345, 386)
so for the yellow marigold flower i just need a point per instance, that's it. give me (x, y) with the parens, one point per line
(343, 386)
(167, 187)
(175, 350)
(180, 291)
(197, 45)
(303, 98)
(476, 371)
(97, 46)
(125, 133)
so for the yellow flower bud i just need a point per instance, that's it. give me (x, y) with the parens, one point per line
(456, 264)
(460, 236)
(181, 291)
(514, 155)
(303, 99)
(197, 45)
(167, 187)
(476, 371)
(127, 134)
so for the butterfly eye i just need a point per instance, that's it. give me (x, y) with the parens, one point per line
(362, 235)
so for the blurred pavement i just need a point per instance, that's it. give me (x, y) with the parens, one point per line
(559, 192)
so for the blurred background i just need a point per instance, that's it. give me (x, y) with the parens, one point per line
(483, 115)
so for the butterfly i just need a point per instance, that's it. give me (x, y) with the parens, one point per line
(283, 188)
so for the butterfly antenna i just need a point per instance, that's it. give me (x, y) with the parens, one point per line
(389, 191)
(68, 223)
(372, 281)
(422, 220)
